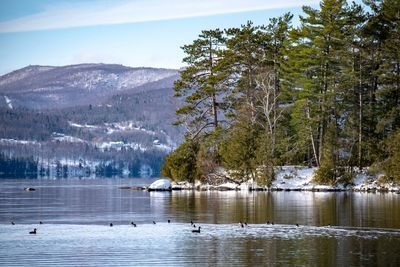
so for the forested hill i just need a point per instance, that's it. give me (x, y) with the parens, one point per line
(86, 119)
(325, 93)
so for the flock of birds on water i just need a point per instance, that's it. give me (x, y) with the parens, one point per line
(241, 224)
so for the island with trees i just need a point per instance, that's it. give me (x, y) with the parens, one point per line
(324, 94)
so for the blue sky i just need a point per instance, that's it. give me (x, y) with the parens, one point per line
(133, 33)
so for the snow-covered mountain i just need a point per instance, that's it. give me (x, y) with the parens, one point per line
(114, 112)
(43, 87)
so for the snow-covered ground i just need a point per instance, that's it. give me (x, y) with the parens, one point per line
(296, 178)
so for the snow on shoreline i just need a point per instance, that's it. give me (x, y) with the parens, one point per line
(296, 178)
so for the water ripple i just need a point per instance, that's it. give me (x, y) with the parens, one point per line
(155, 245)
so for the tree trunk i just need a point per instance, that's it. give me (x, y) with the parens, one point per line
(317, 160)
(360, 117)
(213, 97)
(214, 110)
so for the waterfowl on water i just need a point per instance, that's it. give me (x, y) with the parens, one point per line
(169, 221)
(111, 225)
(191, 222)
(134, 224)
(241, 224)
(13, 223)
(154, 222)
(33, 232)
(40, 222)
(196, 231)
(29, 189)
(267, 222)
(297, 224)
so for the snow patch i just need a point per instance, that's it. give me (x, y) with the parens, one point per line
(161, 184)
(66, 138)
(8, 102)
(293, 177)
(82, 126)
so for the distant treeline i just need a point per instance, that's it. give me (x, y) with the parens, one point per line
(324, 94)
(29, 167)
(18, 167)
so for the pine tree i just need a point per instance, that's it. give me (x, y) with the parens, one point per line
(200, 84)
(243, 60)
(352, 88)
(316, 64)
(389, 69)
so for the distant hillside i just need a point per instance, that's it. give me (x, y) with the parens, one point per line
(114, 112)
(45, 87)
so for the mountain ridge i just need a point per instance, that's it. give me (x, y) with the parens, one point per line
(44, 110)
(66, 86)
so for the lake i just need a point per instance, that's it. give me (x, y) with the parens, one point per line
(335, 228)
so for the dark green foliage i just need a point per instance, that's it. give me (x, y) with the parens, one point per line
(181, 165)
(247, 151)
(391, 165)
(208, 156)
(238, 151)
(265, 160)
(326, 173)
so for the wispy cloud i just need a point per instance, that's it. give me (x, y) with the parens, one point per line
(103, 13)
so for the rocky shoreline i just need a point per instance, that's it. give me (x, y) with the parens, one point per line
(288, 178)
(182, 186)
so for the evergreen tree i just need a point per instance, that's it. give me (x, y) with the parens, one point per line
(181, 164)
(391, 164)
(243, 60)
(238, 151)
(200, 84)
(316, 64)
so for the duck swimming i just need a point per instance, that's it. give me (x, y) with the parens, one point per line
(33, 232)
(29, 189)
(196, 231)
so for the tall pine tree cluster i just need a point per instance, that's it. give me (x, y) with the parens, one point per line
(324, 94)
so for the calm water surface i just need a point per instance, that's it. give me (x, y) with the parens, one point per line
(364, 227)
